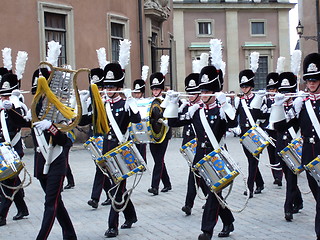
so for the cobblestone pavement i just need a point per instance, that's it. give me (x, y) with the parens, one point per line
(160, 217)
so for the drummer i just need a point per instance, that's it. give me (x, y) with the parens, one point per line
(293, 202)
(217, 111)
(246, 81)
(309, 125)
(11, 111)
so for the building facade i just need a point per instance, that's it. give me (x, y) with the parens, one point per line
(243, 26)
(309, 17)
(82, 27)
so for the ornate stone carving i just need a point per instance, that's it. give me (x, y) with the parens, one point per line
(157, 9)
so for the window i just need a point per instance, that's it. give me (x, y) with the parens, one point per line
(204, 28)
(56, 23)
(258, 28)
(116, 36)
(55, 29)
(261, 74)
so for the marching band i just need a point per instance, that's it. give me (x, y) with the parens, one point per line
(123, 121)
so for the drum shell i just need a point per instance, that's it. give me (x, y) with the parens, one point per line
(94, 145)
(122, 161)
(291, 155)
(314, 169)
(6, 171)
(188, 151)
(143, 131)
(253, 141)
(216, 170)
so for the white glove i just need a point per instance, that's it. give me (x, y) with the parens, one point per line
(279, 99)
(127, 93)
(257, 100)
(131, 103)
(193, 109)
(43, 125)
(221, 97)
(28, 116)
(16, 92)
(302, 94)
(182, 106)
(84, 95)
(7, 104)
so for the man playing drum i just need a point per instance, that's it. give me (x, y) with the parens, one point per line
(217, 112)
(308, 118)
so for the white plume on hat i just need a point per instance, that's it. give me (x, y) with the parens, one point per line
(7, 59)
(196, 67)
(164, 64)
(144, 72)
(54, 50)
(204, 58)
(124, 53)
(21, 61)
(295, 62)
(280, 65)
(102, 57)
(223, 67)
(216, 53)
(254, 61)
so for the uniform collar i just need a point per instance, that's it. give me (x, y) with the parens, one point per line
(248, 96)
(314, 97)
(114, 100)
(210, 106)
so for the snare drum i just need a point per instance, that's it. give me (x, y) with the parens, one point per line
(216, 169)
(188, 151)
(10, 163)
(122, 161)
(291, 155)
(254, 141)
(94, 145)
(314, 169)
(149, 130)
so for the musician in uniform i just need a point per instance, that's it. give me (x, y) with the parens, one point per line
(246, 81)
(188, 133)
(293, 202)
(220, 116)
(305, 111)
(10, 132)
(51, 180)
(123, 112)
(158, 150)
(101, 181)
(272, 82)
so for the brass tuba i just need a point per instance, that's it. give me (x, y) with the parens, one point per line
(53, 99)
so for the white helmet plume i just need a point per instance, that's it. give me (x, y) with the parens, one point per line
(54, 50)
(164, 64)
(254, 61)
(102, 57)
(144, 73)
(124, 53)
(21, 61)
(7, 59)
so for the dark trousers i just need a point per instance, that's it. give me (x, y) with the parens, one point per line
(273, 159)
(211, 212)
(129, 212)
(18, 198)
(142, 148)
(69, 176)
(293, 194)
(254, 175)
(100, 182)
(54, 207)
(159, 170)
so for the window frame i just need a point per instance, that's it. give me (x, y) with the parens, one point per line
(264, 21)
(69, 21)
(198, 21)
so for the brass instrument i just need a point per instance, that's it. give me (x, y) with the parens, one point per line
(62, 83)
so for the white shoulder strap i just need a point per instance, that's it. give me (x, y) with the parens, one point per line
(248, 113)
(208, 130)
(114, 124)
(313, 117)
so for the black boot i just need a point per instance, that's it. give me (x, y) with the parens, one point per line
(226, 230)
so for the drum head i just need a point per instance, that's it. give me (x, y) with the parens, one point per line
(158, 129)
